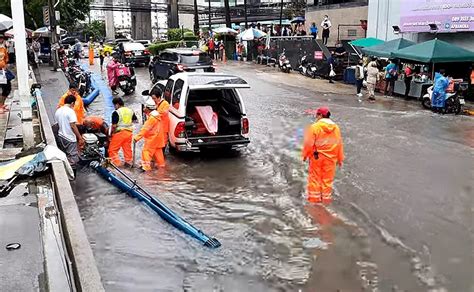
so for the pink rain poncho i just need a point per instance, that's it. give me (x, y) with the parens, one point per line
(111, 66)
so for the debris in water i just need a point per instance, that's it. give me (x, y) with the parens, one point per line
(13, 246)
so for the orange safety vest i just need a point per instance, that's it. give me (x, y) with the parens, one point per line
(151, 130)
(163, 109)
(78, 106)
(324, 136)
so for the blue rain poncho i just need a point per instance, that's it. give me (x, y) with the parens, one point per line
(439, 91)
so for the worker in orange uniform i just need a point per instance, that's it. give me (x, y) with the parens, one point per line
(78, 105)
(121, 133)
(162, 107)
(91, 51)
(324, 148)
(95, 124)
(151, 133)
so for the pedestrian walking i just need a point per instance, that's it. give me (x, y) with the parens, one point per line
(112, 65)
(69, 138)
(391, 74)
(326, 25)
(151, 133)
(372, 78)
(221, 50)
(77, 49)
(121, 133)
(360, 76)
(6, 75)
(78, 107)
(11, 52)
(211, 46)
(36, 46)
(408, 76)
(323, 147)
(313, 30)
(101, 55)
(331, 72)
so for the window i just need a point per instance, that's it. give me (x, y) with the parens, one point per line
(168, 89)
(196, 58)
(170, 57)
(352, 32)
(178, 88)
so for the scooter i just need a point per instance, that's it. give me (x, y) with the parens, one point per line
(454, 101)
(127, 81)
(284, 63)
(306, 68)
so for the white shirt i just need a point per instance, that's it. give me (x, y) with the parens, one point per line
(327, 22)
(65, 115)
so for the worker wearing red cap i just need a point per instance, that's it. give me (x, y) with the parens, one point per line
(324, 148)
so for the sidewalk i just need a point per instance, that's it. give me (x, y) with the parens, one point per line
(39, 264)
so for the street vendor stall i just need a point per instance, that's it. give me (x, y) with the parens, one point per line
(431, 52)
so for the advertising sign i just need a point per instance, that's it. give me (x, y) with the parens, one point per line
(318, 55)
(448, 15)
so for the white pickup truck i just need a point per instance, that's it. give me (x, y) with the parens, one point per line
(189, 128)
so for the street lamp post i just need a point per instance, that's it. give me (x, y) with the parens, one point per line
(245, 13)
(209, 17)
(281, 17)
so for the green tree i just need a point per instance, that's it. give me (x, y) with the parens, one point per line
(95, 29)
(71, 11)
(176, 34)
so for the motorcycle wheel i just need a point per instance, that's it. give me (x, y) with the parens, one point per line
(426, 102)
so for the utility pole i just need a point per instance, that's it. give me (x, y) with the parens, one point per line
(18, 18)
(245, 13)
(281, 17)
(227, 13)
(54, 35)
(196, 18)
(209, 1)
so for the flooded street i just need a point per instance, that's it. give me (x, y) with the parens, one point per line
(401, 219)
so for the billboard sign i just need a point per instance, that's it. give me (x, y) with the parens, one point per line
(448, 15)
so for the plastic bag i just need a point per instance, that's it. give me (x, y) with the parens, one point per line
(332, 73)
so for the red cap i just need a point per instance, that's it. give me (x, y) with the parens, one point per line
(322, 111)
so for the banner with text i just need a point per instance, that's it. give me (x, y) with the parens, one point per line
(448, 15)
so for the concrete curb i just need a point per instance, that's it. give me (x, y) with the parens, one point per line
(84, 268)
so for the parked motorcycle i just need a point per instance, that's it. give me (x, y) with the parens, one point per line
(127, 80)
(284, 63)
(306, 68)
(454, 101)
(75, 74)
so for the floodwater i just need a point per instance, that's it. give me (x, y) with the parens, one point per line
(401, 219)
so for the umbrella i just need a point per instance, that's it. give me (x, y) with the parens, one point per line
(386, 49)
(28, 33)
(251, 34)
(225, 30)
(45, 32)
(298, 19)
(366, 42)
(5, 22)
(435, 51)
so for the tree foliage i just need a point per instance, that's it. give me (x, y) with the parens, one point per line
(176, 34)
(71, 11)
(95, 29)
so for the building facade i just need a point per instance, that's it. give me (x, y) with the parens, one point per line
(346, 18)
(450, 20)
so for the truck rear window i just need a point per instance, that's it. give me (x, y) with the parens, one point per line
(193, 59)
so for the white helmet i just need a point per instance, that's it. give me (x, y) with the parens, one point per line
(150, 103)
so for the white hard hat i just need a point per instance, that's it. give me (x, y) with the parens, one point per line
(150, 103)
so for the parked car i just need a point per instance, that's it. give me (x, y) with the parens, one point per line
(172, 61)
(212, 97)
(134, 52)
(67, 42)
(146, 43)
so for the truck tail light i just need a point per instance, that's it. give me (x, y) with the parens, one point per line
(180, 67)
(180, 130)
(245, 126)
(146, 52)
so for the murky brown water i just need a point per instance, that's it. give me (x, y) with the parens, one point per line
(401, 218)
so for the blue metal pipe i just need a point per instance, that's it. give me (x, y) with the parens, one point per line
(157, 206)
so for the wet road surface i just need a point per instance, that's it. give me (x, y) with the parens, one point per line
(401, 219)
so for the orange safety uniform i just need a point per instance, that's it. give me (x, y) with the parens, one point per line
(78, 106)
(323, 137)
(96, 124)
(152, 133)
(122, 137)
(163, 108)
(91, 53)
(3, 56)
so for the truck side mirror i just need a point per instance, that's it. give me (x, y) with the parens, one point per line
(145, 92)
